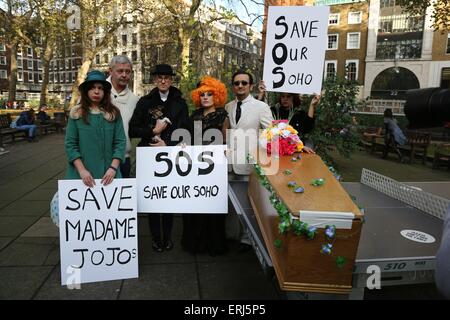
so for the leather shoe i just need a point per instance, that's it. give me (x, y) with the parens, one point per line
(168, 245)
(157, 246)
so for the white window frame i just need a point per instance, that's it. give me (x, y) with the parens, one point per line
(3, 74)
(40, 77)
(28, 52)
(30, 62)
(359, 39)
(338, 19)
(347, 62)
(326, 64)
(39, 65)
(30, 77)
(20, 63)
(20, 76)
(3, 60)
(353, 12)
(337, 41)
(2, 47)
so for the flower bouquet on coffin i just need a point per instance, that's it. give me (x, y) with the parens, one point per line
(280, 138)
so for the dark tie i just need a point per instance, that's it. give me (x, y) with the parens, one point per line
(238, 111)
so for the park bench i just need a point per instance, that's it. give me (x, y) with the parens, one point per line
(45, 128)
(369, 138)
(417, 144)
(442, 156)
(60, 120)
(6, 130)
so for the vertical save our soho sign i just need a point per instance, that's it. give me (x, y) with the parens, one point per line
(296, 41)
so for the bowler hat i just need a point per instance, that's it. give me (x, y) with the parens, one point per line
(163, 69)
(95, 76)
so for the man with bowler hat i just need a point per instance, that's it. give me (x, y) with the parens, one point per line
(156, 116)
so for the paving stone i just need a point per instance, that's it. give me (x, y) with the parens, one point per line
(26, 208)
(53, 290)
(162, 282)
(44, 227)
(4, 242)
(21, 282)
(243, 280)
(40, 194)
(14, 226)
(27, 252)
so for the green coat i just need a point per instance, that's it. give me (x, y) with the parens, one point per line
(96, 144)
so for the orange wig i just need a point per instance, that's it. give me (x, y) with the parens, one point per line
(216, 87)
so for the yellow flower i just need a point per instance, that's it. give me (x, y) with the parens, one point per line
(300, 146)
(292, 130)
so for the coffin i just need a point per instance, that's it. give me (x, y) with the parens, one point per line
(298, 262)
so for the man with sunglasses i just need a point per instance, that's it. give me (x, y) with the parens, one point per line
(156, 116)
(250, 115)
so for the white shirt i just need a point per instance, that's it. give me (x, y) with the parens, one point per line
(164, 96)
(126, 101)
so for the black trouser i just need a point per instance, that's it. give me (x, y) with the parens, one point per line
(154, 221)
(125, 168)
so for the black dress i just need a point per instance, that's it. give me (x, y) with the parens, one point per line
(300, 120)
(205, 232)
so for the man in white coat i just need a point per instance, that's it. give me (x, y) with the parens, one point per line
(121, 70)
(249, 115)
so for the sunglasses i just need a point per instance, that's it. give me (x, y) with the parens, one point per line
(206, 94)
(237, 83)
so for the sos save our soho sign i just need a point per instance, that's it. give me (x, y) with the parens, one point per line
(98, 226)
(294, 55)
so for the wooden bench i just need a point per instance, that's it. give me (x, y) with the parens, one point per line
(6, 130)
(369, 138)
(417, 144)
(45, 128)
(442, 156)
(60, 120)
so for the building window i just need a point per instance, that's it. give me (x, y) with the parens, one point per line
(353, 40)
(19, 51)
(97, 59)
(30, 77)
(40, 77)
(106, 58)
(354, 17)
(333, 19)
(330, 69)
(134, 55)
(333, 41)
(30, 64)
(29, 52)
(97, 42)
(387, 3)
(351, 72)
(3, 74)
(19, 76)
(19, 63)
(403, 49)
(124, 40)
(39, 65)
(2, 47)
(448, 44)
(134, 39)
(2, 60)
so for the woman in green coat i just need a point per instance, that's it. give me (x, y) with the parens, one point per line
(95, 139)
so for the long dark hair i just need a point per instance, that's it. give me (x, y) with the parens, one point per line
(296, 102)
(105, 105)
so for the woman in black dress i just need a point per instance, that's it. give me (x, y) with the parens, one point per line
(206, 232)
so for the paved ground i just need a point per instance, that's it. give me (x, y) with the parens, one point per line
(29, 245)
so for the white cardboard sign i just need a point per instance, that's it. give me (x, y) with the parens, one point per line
(193, 179)
(294, 55)
(98, 231)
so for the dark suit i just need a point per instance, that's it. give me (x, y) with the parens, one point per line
(148, 109)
